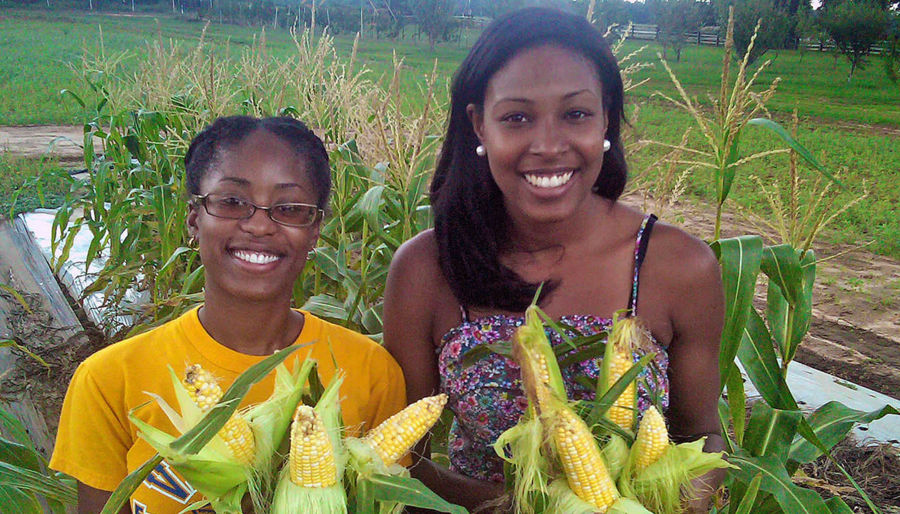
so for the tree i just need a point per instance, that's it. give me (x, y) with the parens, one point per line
(434, 17)
(855, 26)
(775, 27)
(673, 19)
(809, 28)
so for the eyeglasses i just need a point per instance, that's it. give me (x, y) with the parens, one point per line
(236, 208)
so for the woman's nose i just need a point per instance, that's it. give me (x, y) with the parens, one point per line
(259, 223)
(548, 139)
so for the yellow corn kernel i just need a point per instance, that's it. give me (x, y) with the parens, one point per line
(652, 439)
(397, 434)
(204, 390)
(582, 462)
(622, 411)
(312, 456)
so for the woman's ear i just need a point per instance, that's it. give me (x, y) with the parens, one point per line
(192, 220)
(476, 116)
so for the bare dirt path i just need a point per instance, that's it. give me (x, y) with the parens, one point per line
(856, 331)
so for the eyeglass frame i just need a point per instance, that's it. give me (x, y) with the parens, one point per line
(201, 199)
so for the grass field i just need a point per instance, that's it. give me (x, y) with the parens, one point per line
(852, 127)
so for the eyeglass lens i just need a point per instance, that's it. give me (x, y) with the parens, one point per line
(231, 207)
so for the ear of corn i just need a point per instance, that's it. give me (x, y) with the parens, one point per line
(625, 338)
(311, 458)
(664, 485)
(652, 440)
(394, 437)
(311, 480)
(204, 390)
(581, 459)
(541, 376)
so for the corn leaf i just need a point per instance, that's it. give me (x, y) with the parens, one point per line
(749, 497)
(831, 424)
(775, 481)
(20, 502)
(782, 265)
(838, 506)
(129, 485)
(740, 260)
(30, 481)
(737, 401)
(771, 431)
(801, 150)
(757, 355)
(409, 491)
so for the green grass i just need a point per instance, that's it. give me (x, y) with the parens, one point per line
(29, 183)
(853, 126)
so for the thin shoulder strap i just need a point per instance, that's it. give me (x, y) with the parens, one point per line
(640, 251)
(464, 313)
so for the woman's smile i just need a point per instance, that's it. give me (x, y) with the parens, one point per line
(549, 180)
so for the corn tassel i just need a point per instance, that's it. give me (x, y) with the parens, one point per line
(204, 390)
(581, 460)
(652, 440)
(394, 437)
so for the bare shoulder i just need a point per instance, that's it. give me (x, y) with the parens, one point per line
(420, 250)
(687, 259)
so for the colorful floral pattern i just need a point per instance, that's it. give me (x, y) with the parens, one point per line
(486, 396)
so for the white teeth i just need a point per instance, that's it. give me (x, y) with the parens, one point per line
(549, 181)
(255, 257)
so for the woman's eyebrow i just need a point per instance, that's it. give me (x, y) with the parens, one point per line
(237, 180)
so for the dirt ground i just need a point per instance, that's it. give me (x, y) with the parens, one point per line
(855, 334)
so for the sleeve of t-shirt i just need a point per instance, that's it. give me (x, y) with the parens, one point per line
(93, 439)
(388, 388)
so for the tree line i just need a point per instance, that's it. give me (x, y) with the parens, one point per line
(851, 26)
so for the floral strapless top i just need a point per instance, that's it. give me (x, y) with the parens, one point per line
(487, 398)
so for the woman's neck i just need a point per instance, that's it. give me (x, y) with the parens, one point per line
(526, 236)
(252, 328)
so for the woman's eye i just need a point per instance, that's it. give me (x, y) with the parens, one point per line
(578, 114)
(232, 201)
(514, 118)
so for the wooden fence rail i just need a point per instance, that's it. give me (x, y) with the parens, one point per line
(710, 36)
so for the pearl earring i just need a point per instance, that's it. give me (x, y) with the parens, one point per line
(606, 145)
(480, 151)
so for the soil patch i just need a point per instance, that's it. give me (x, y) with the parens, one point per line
(64, 142)
(875, 468)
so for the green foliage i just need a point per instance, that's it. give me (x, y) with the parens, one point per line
(775, 27)
(674, 18)
(29, 183)
(854, 26)
(434, 17)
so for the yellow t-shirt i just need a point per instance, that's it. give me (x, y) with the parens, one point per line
(99, 446)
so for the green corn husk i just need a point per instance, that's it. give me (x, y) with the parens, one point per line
(213, 471)
(291, 498)
(662, 486)
(530, 346)
(563, 499)
(616, 453)
(523, 447)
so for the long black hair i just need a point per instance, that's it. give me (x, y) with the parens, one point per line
(226, 132)
(471, 224)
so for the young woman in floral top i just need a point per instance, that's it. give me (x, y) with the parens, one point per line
(525, 192)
